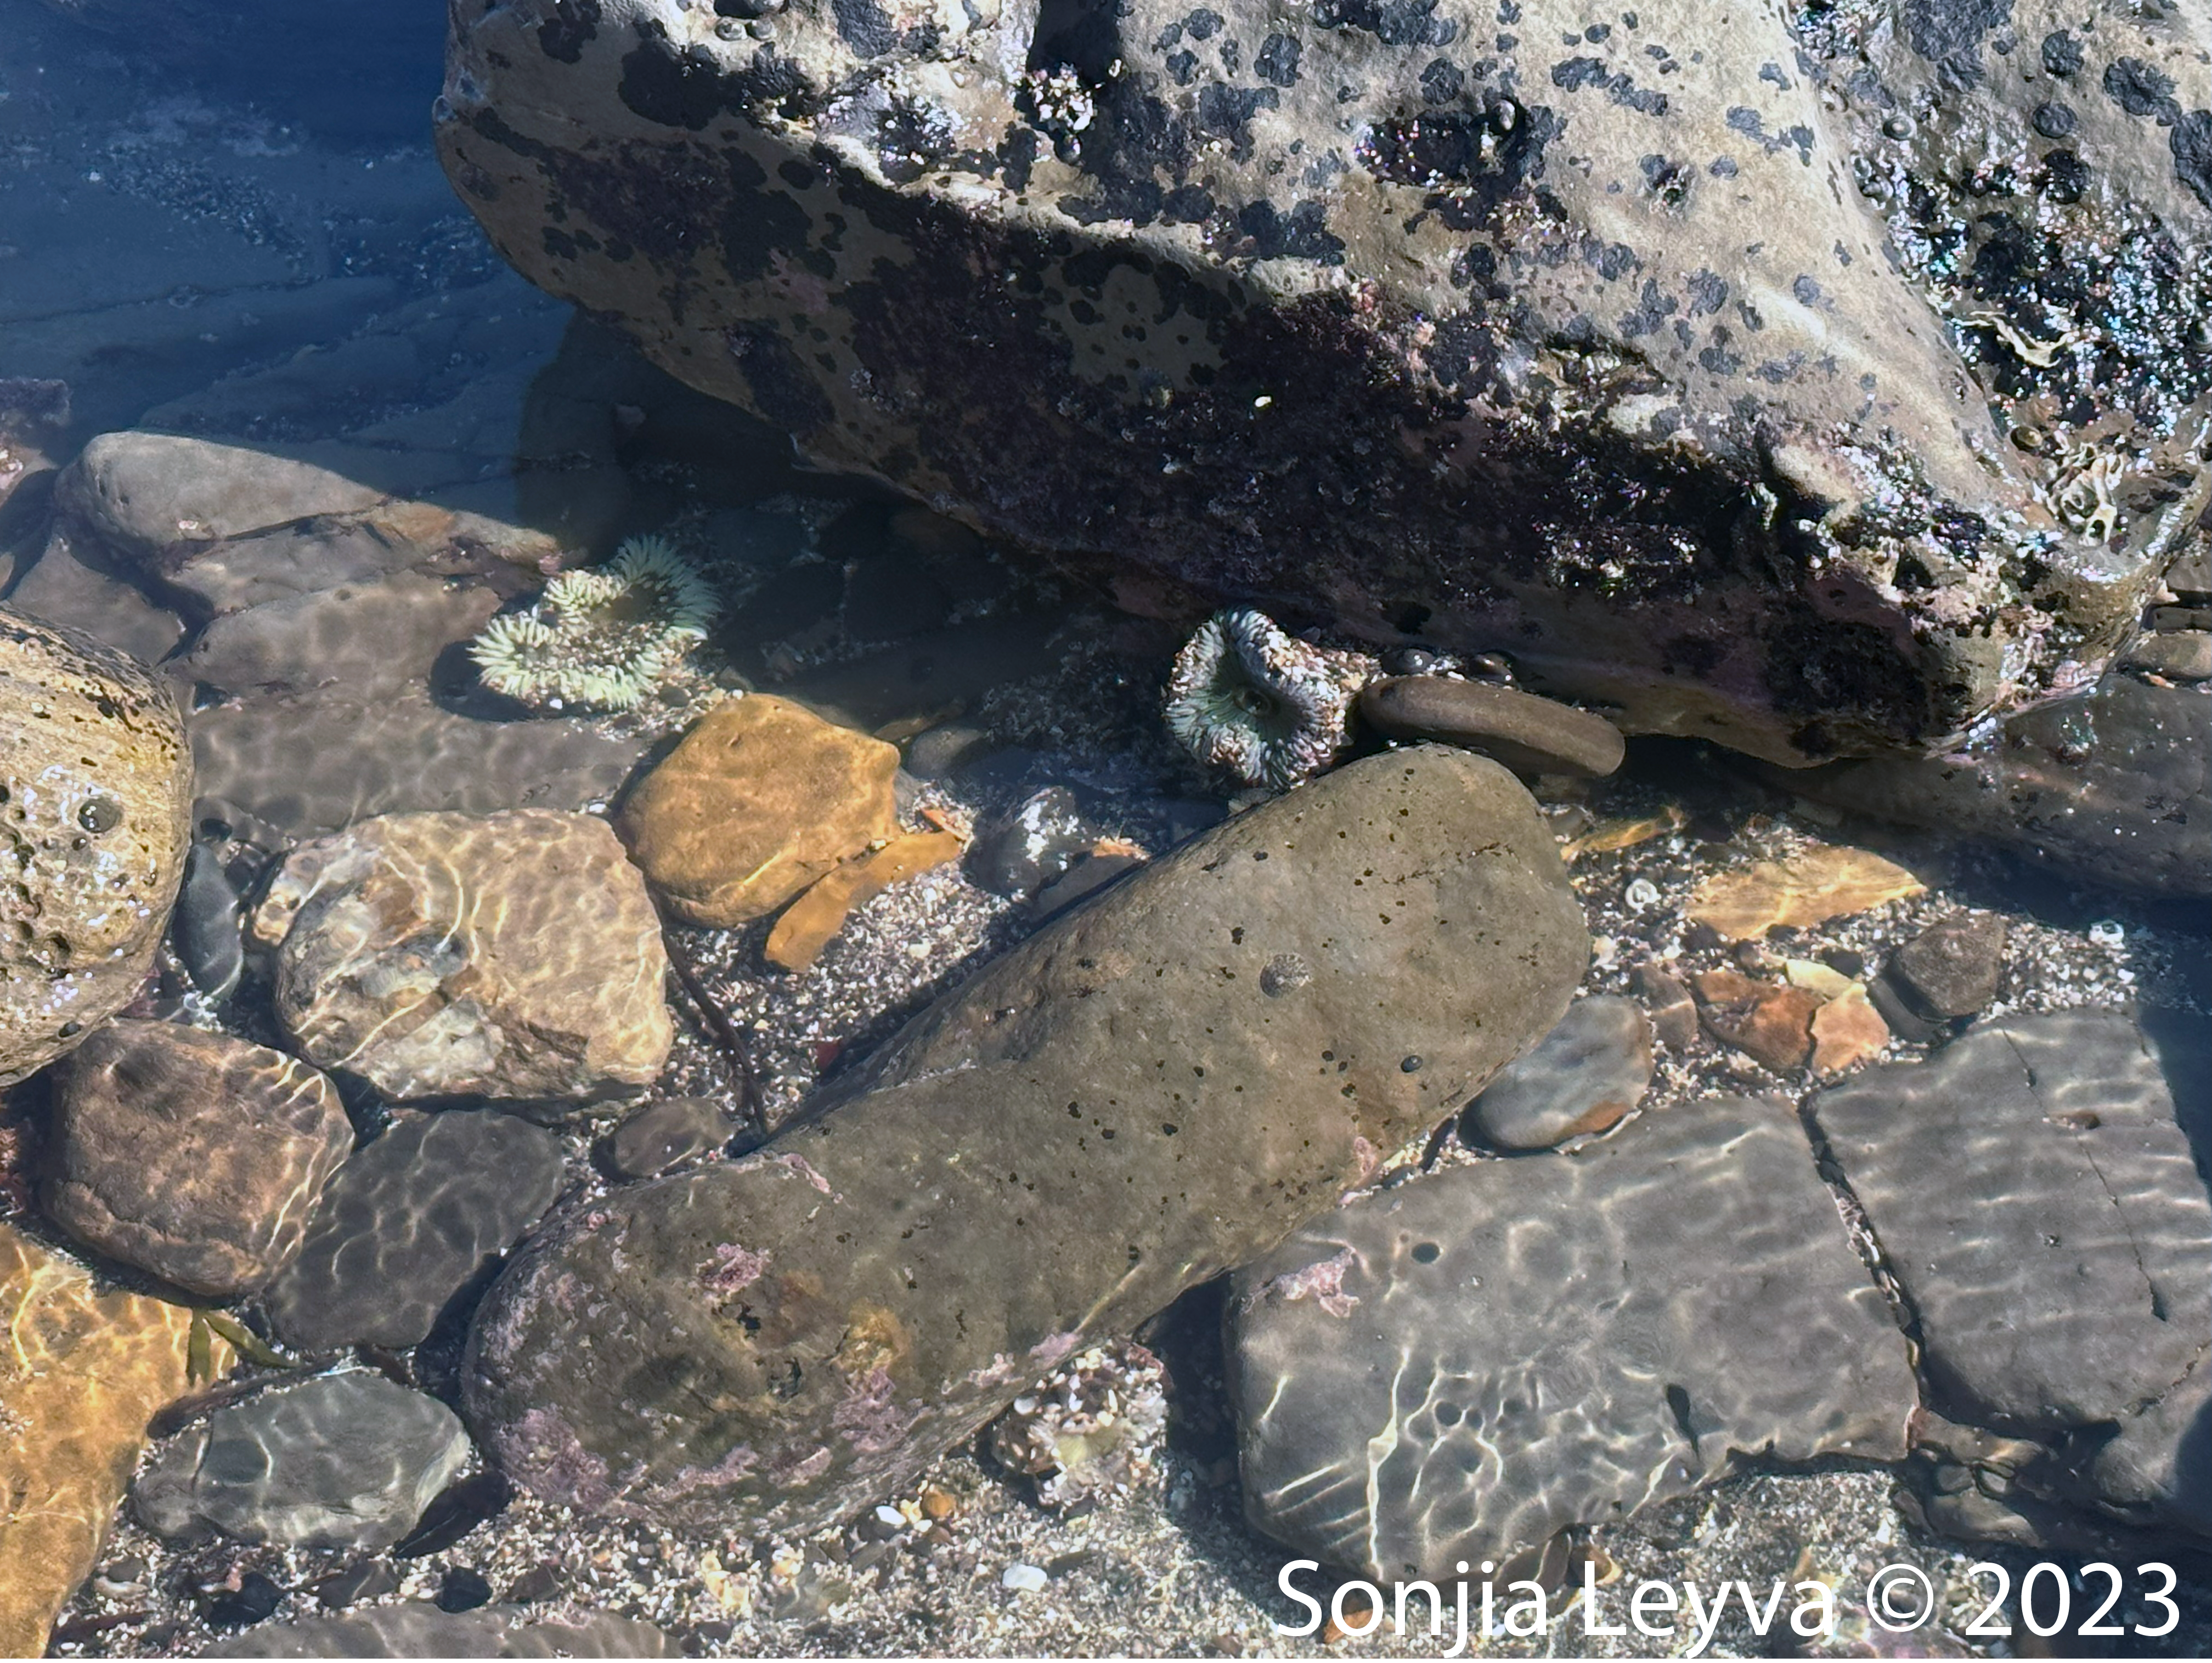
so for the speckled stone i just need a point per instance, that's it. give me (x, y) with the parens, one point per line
(1529, 735)
(1117, 1109)
(1584, 347)
(339, 1461)
(1583, 1077)
(408, 1222)
(1466, 1364)
(762, 798)
(2042, 1210)
(95, 806)
(507, 956)
(1953, 967)
(196, 1156)
(659, 1135)
(81, 1374)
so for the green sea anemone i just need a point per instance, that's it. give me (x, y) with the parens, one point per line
(1270, 709)
(602, 638)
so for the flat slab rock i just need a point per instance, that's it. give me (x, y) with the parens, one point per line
(409, 1221)
(339, 1461)
(1578, 346)
(508, 956)
(1154, 1087)
(424, 1631)
(2045, 1215)
(194, 1155)
(1467, 1364)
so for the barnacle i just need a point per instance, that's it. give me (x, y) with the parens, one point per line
(601, 639)
(1272, 709)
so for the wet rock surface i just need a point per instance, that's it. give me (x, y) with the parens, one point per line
(409, 1221)
(342, 1461)
(1527, 734)
(1233, 254)
(1463, 1366)
(195, 1156)
(762, 798)
(662, 1134)
(1015, 1124)
(1588, 1072)
(512, 955)
(2044, 1217)
(1952, 969)
(94, 827)
(424, 1631)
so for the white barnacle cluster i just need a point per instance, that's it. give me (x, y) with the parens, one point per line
(1270, 709)
(1062, 100)
(601, 639)
(1091, 1428)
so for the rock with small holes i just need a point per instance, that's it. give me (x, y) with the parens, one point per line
(196, 1156)
(1138, 1096)
(95, 809)
(509, 956)
(1463, 1366)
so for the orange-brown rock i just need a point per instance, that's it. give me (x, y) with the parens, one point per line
(810, 922)
(514, 955)
(1768, 1021)
(1807, 889)
(81, 1373)
(1846, 1030)
(95, 804)
(762, 799)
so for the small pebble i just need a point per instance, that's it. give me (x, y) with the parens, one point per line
(2108, 932)
(1023, 1579)
(892, 1518)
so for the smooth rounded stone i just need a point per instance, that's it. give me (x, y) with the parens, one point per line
(377, 637)
(196, 1156)
(339, 1461)
(62, 588)
(509, 956)
(762, 798)
(95, 809)
(2114, 786)
(408, 1222)
(1529, 735)
(940, 752)
(2042, 1212)
(1030, 845)
(1464, 1365)
(421, 1629)
(1954, 967)
(1584, 1075)
(1110, 1113)
(657, 1136)
(83, 1372)
(206, 927)
(1638, 391)
(311, 763)
(2185, 657)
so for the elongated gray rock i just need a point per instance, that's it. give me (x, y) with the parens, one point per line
(1639, 347)
(1158, 1088)
(1465, 1365)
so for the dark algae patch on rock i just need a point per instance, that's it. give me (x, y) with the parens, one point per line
(1095, 1122)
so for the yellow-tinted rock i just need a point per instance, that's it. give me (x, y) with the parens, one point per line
(80, 1374)
(762, 799)
(1847, 1030)
(806, 928)
(96, 807)
(1806, 889)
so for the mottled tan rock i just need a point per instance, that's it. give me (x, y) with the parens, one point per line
(1768, 1021)
(196, 1156)
(95, 804)
(1847, 1030)
(763, 798)
(1806, 889)
(514, 955)
(81, 1375)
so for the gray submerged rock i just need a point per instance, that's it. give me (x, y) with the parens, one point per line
(342, 1461)
(1125, 1105)
(1463, 1366)
(2044, 1216)
(1621, 347)
(1589, 1072)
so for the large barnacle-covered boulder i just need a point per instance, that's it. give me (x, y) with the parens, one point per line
(1792, 388)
